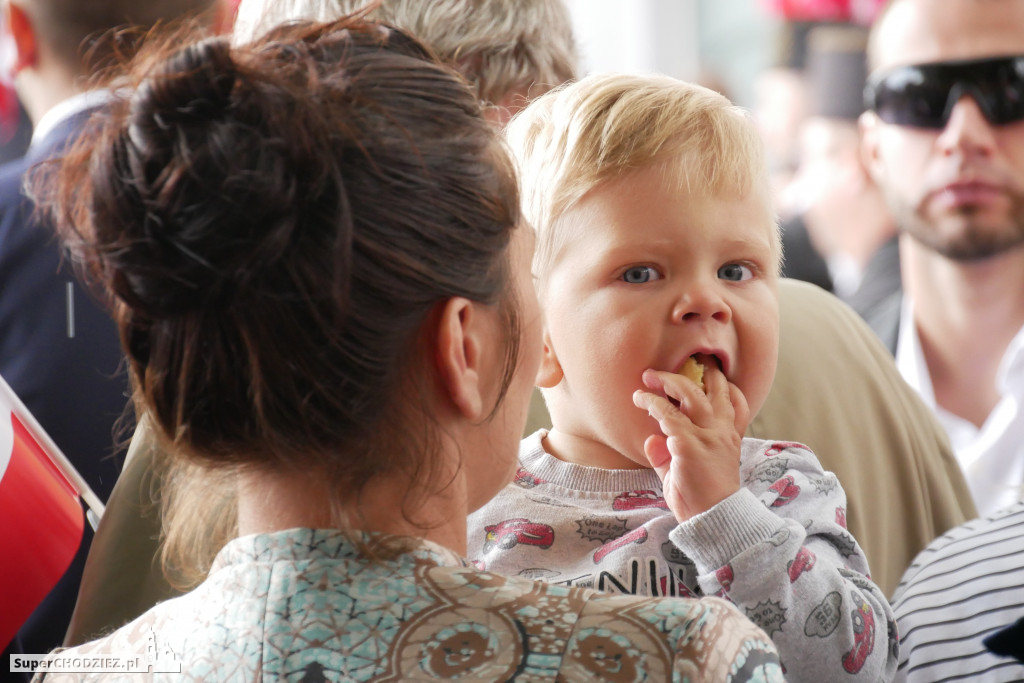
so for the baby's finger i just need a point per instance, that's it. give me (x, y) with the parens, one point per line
(717, 386)
(658, 455)
(713, 377)
(726, 398)
(658, 407)
(741, 411)
(671, 421)
(689, 396)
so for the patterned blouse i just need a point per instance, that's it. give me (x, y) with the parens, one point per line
(307, 605)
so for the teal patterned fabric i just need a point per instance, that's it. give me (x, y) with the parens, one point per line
(307, 605)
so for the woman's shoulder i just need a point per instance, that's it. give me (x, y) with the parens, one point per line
(403, 624)
(660, 636)
(582, 630)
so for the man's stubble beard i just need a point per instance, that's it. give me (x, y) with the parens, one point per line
(973, 240)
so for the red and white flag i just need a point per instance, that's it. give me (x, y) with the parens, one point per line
(41, 520)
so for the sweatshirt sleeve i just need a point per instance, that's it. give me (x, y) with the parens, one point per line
(779, 549)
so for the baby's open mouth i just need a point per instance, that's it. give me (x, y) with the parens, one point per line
(693, 370)
(707, 359)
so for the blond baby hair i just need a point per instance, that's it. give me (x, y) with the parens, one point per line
(500, 46)
(574, 139)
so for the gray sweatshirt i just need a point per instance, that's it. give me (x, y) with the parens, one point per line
(778, 548)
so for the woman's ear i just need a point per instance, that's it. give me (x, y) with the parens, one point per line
(460, 342)
(550, 372)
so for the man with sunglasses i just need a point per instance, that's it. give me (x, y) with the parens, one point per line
(944, 138)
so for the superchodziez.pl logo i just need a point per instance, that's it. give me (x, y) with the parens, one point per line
(153, 661)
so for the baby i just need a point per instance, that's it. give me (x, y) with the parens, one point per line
(657, 243)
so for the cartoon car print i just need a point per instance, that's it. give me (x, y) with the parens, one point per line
(780, 446)
(526, 479)
(508, 534)
(634, 536)
(725, 576)
(637, 500)
(803, 562)
(864, 638)
(787, 490)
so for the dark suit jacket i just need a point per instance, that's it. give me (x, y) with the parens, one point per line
(880, 280)
(60, 352)
(884, 319)
(801, 260)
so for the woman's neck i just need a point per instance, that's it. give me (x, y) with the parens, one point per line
(275, 501)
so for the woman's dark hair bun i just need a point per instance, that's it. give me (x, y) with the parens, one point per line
(192, 86)
(276, 223)
(177, 135)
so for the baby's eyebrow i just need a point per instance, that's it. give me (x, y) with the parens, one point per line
(749, 242)
(630, 247)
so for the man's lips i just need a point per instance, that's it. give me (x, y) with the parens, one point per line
(961, 195)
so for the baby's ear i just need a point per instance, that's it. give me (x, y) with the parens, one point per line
(549, 374)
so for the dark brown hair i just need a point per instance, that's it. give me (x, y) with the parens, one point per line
(275, 224)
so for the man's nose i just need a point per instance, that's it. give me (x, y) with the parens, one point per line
(967, 132)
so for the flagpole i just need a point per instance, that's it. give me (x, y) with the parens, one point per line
(92, 501)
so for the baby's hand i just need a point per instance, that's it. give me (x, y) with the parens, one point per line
(697, 455)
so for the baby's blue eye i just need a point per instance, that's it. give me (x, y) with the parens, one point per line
(735, 272)
(640, 274)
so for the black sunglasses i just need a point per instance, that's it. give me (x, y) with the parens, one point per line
(923, 95)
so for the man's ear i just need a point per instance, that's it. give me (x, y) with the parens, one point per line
(460, 344)
(550, 372)
(19, 27)
(868, 124)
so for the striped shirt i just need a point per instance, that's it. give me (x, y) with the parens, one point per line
(966, 585)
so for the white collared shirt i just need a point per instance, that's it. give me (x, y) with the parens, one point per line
(65, 109)
(992, 457)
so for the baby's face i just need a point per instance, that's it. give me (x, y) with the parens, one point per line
(647, 276)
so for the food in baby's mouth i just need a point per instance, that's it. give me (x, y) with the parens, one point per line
(693, 370)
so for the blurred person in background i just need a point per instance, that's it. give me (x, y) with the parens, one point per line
(944, 136)
(845, 212)
(944, 139)
(510, 50)
(15, 127)
(780, 106)
(59, 349)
